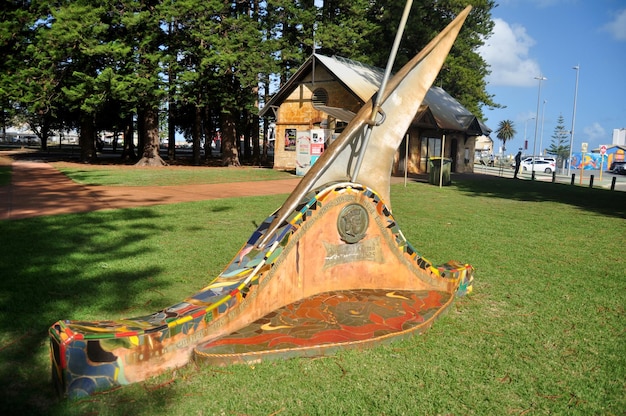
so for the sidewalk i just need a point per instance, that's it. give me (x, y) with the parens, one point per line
(603, 180)
(38, 189)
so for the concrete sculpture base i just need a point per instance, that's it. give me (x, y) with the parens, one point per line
(338, 274)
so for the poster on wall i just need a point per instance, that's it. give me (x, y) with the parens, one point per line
(290, 140)
(303, 154)
(318, 139)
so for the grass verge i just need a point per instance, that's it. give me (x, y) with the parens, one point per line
(543, 332)
(173, 175)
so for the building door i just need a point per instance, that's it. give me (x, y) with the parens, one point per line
(402, 161)
(453, 152)
(431, 147)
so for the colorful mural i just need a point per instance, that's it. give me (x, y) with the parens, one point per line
(590, 161)
(615, 154)
(91, 356)
(325, 322)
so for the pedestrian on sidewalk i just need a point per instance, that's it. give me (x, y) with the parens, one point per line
(518, 162)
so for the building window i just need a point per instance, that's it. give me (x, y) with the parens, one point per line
(320, 97)
(431, 147)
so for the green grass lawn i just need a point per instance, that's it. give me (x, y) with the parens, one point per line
(172, 175)
(544, 331)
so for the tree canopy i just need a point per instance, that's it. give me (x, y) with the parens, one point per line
(559, 145)
(505, 132)
(204, 66)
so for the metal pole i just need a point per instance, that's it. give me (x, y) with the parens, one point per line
(543, 118)
(381, 90)
(406, 159)
(582, 166)
(526, 127)
(571, 142)
(601, 167)
(443, 146)
(540, 78)
(525, 141)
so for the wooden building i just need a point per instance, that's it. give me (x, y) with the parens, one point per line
(326, 92)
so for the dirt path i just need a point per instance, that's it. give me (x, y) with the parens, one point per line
(38, 189)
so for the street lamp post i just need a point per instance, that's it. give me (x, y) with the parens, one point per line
(540, 78)
(571, 142)
(525, 128)
(543, 118)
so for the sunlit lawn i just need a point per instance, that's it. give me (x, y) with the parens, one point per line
(173, 175)
(543, 332)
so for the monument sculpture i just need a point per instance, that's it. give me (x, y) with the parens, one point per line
(330, 269)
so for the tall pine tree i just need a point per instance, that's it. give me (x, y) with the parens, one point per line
(99, 64)
(559, 145)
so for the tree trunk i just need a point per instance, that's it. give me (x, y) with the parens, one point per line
(171, 132)
(247, 148)
(128, 153)
(141, 130)
(264, 143)
(45, 132)
(44, 140)
(196, 135)
(42, 129)
(254, 129)
(86, 139)
(150, 155)
(209, 132)
(254, 135)
(230, 154)
(171, 112)
(266, 121)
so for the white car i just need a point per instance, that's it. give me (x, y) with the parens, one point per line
(547, 165)
(529, 160)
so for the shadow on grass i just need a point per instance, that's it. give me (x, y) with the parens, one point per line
(600, 201)
(59, 267)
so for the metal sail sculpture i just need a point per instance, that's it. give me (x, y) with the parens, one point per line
(329, 270)
(400, 100)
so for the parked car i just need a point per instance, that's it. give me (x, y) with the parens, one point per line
(618, 167)
(529, 160)
(486, 161)
(547, 165)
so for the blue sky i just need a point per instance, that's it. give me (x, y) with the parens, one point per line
(548, 38)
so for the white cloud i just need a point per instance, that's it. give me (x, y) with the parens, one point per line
(506, 52)
(595, 132)
(617, 27)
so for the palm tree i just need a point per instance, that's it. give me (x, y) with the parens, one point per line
(505, 131)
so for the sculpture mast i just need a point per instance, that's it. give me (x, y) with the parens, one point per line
(350, 156)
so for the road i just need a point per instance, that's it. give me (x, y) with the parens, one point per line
(605, 183)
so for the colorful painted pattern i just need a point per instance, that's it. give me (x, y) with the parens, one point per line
(589, 161)
(91, 356)
(322, 323)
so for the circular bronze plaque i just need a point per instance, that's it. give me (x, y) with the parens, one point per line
(352, 223)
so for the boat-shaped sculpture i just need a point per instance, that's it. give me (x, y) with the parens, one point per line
(328, 270)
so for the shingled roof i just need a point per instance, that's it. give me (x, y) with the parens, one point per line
(364, 80)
